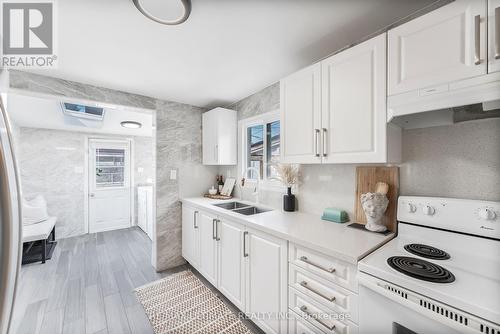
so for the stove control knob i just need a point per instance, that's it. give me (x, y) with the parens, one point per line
(411, 208)
(487, 214)
(428, 210)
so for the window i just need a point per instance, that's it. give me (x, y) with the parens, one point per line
(109, 167)
(261, 144)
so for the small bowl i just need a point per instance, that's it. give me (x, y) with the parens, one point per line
(212, 191)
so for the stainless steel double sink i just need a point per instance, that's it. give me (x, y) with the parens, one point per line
(241, 208)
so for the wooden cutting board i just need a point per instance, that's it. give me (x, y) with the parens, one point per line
(366, 179)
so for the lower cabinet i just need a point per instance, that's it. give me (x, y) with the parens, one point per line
(247, 266)
(266, 286)
(190, 235)
(208, 247)
(231, 262)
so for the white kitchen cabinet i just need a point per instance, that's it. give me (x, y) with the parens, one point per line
(230, 262)
(266, 280)
(493, 36)
(354, 118)
(145, 209)
(445, 45)
(190, 235)
(300, 99)
(220, 137)
(208, 246)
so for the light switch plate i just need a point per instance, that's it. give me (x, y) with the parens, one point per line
(173, 174)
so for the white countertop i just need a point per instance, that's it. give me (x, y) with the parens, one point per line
(337, 240)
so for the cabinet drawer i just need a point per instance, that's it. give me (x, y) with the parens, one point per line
(336, 271)
(297, 325)
(336, 298)
(319, 315)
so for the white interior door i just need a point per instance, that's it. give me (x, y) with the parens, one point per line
(109, 185)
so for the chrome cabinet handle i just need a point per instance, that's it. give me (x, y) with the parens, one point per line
(305, 285)
(316, 142)
(306, 260)
(214, 221)
(304, 309)
(245, 254)
(477, 41)
(217, 237)
(497, 33)
(325, 141)
(195, 214)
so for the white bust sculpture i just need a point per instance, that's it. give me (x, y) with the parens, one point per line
(374, 206)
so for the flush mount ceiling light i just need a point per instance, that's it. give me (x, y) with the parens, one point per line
(131, 124)
(169, 12)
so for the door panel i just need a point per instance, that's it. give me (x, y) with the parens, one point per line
(209, 133)
(190, 236)
(109, 185)
(208, 248)
(301, 115)
(231, 266)
(266, 287)
(354, 104)
(494, 36)
(438, 47)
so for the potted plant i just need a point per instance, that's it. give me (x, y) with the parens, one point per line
(288, 175)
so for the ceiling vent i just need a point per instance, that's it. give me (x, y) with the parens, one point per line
(83, 111)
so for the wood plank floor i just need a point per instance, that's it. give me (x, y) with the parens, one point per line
(87, 286)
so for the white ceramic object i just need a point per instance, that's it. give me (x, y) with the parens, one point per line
(374, 206)
(212, 191)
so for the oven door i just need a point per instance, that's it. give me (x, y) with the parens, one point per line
(385, 310)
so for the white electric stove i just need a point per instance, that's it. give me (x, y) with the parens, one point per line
(441, 274)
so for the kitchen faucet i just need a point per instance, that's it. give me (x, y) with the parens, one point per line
(241, 184)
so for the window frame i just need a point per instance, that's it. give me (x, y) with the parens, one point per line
(262, 119)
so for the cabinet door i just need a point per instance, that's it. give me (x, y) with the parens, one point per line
(354, 104)
(209, 138)
(266, 280)
(231, 265)
(190, 241)
(208, 247)
(494, 36)
(445, 45)
(300, 99)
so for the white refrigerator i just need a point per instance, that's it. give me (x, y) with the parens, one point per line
(10, 227)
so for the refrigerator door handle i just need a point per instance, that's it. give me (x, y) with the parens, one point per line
(10, 227)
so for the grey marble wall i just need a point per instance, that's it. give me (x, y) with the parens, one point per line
(52, 164)
(178, 147)
(461, 160)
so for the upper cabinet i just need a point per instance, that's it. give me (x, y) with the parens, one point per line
(220, 137)
(300, 98)
(354, 104)
(494, 36)
(445, 45)
(335, 111)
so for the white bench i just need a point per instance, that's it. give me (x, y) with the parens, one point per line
(41, 232)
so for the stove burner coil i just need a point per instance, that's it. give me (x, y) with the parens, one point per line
(427, 251)
(420, 269)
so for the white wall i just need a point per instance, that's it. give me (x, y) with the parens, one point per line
(52, 163)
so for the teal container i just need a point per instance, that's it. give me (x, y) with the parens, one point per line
(335, 215)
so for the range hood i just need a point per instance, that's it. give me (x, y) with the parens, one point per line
(448, 116)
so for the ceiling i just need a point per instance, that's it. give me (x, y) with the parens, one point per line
(41, 113)
(227, 50)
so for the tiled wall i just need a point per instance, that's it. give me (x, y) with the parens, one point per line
(52, 164)
(461, 160)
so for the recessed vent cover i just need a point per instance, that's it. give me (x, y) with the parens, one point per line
(83, 111)
(440, 311)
